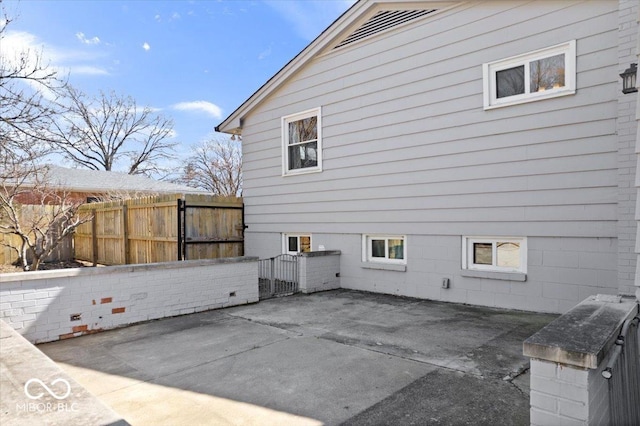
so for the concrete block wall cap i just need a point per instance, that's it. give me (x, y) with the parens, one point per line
(583, 336)
(608, 298)
(73, 272)
(320, 253)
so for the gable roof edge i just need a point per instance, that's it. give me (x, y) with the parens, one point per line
(233, 123)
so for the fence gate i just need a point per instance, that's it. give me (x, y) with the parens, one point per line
(209, 229)
(278, 276)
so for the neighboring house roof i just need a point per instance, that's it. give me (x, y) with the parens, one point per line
(365, 18)
(99, 181)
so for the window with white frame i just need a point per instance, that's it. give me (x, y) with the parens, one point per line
(496, 254)
(296, 243)
(302, 142)
(384, 248)
(543, 74)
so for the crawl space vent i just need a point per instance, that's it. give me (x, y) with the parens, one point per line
(381, 21)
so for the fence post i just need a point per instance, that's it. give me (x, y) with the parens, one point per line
(125, 234)
(94, 238)
(180, 229)
(272, 279)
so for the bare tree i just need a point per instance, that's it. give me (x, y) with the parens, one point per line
(36, 211)
(35, 217)
(28, 89)
(110, 130)
(216, 166)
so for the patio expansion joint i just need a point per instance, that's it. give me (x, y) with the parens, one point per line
(514, 375)
(287, 327)
(362, 345)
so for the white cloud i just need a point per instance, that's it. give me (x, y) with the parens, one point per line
(87, 70)
(203, 106)
(174, 17)
(16, 44)
(20, 45)
(22, 50)
(146, 46)
(264, 54)
(83, 39)
(310, 17)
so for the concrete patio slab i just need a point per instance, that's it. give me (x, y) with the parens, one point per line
(35, 391)
(327, 358)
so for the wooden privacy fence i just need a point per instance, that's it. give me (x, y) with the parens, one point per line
(161, 229)
(7, 254)
(62, 252)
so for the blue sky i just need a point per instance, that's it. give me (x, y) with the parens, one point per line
(194, 61)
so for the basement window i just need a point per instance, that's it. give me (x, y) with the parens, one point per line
(296, 243)
(495, 254)
(384, 249)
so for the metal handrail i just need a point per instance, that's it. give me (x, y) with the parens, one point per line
(623, 376)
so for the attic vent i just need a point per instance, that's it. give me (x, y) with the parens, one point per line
(381, 21)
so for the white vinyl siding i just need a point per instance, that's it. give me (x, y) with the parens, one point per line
(407, 147)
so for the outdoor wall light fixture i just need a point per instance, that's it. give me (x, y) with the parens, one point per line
(629, 79)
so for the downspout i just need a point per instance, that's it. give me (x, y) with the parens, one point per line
(637, 150)
(637, 182)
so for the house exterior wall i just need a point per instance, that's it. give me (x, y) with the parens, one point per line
(627, 132)
(409, 150)
(562, 271)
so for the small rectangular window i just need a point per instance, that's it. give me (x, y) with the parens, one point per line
(384, 248)
(494, 254)
(294, 244)
(542, 74)
(302, 142)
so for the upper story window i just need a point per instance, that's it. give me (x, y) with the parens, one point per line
(494, 254)
(533, 76)
(302, 142)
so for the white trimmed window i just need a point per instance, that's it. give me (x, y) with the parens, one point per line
(302, 142)
(384, 249)
(495, 254)
(296, 243)
(543, 74)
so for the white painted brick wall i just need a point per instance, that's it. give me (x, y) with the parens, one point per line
(39, 304)
(563, 395)
(319, 271)
(559, 394)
